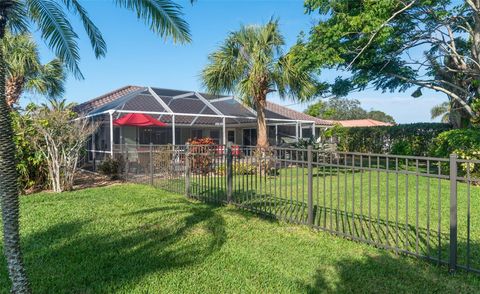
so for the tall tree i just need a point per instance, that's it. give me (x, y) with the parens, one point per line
(26, 72)
(164, 17)
(340, 108)
(250, 63)
(337, 108)
(398, 45)
(380, 116)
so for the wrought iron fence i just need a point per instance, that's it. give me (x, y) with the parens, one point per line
(421, 206)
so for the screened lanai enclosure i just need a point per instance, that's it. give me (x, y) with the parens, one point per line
(184, 115)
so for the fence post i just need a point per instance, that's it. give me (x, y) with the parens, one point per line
(453, 213)
(151, 164)
(126, 163)
(310, 184)
(187, 170)
(229, 172)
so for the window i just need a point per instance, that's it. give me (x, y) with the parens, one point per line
(307, 133)
(197, 134)
(145, 135)
(215, 135)
(249, 137)
(231, 136)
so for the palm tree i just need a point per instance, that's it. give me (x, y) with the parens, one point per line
(448, 114)
(251, 65)
(443, 110)
(164, 17)
(26, 72)
(58, 105)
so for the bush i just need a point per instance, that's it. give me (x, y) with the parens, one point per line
(463, 142)
(407, 139)
(460, 140)
(112, 167)
(202, 152)
(239, 168)
(31, 164)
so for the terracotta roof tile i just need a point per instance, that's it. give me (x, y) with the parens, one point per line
(89, 105)
(296, 115)
(362, 123)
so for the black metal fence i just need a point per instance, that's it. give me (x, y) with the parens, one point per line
(421, 206)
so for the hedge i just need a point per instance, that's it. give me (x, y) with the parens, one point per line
(406, 139)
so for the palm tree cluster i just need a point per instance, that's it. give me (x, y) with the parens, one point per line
(163, 17)
(251, 65)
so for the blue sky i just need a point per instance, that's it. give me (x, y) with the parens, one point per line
(138, 57)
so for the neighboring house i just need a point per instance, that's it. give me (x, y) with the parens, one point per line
(188, 115)
(356, 123)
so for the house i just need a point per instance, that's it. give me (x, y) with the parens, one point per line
(186, 115)
(357, 123)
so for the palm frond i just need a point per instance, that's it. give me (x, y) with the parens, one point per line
(163, 16)
(17, 21)
(292, 81)
(50, 80)
(57, 31)
(440, 110)
(96, 39)
(21, 54)
(250, 63)
(225, 69)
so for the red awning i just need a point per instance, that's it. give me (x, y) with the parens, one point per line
(138, 120)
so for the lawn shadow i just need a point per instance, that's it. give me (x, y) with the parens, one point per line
(387, 273)
(99, 256)
(398, 236)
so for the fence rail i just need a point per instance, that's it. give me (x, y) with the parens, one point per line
(422, 206)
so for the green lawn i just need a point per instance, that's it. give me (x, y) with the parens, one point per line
(137, 239)
(401, 211)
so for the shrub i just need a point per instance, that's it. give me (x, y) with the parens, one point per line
(238, 168)
(31, 164)
(202, 152)
(112, 167)
(463, 142)
(453, 141)
(407, 139)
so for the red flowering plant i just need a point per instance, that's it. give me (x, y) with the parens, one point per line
(202, 153)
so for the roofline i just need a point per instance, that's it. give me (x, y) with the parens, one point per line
(194, 115)
(108, 94)
(312, 117)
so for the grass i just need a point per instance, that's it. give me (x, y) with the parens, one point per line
(404, 212)
(137, 239)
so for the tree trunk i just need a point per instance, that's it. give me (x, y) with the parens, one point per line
(8, 182)
(262, 131)
(14, 89)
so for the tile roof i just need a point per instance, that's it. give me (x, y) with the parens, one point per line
(296, 115)
(140, 102)
(362, 123)
(90, 105)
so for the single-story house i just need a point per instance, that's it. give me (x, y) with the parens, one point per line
(185, 115)
(357, 123)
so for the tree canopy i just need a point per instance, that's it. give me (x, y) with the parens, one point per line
(396, 45)
(338, 108)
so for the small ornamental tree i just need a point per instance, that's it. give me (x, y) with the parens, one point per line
(60, 137)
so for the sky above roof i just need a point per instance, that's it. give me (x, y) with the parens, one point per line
(138, 57)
